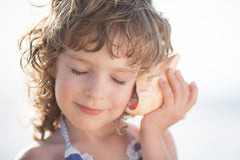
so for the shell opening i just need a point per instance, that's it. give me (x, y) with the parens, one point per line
(134, 100)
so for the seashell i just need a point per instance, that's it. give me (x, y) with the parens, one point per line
(149, 95)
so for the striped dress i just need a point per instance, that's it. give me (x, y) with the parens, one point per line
(133, 150)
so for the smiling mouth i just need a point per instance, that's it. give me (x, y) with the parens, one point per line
(89, 111)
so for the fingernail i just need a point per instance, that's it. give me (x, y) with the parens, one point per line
(179, 72)
(162, 80)
(171, 71)
(193, 84)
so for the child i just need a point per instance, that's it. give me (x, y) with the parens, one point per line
(83, 60)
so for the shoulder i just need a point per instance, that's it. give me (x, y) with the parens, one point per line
(32, 152)
(134, 131)
(169, 143)
(49, 149)
(167, 139)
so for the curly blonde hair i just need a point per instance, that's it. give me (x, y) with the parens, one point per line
(68, 24)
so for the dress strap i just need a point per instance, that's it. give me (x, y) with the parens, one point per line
(71, 153)
(64, 132)
(134, 151)
(126, 132)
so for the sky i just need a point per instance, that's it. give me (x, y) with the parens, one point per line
(206, 35)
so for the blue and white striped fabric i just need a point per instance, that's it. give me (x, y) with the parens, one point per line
(71, 153)
(133, 150)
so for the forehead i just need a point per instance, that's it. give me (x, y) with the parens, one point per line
(100, 59)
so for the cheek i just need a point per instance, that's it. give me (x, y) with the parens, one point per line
(122, 97)
(64, 89)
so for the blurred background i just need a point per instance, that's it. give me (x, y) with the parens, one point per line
(205, 33)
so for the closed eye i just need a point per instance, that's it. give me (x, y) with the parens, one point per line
(77, 72)
(82, 73)
(119, 82)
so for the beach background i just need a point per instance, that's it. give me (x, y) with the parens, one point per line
(205, 33)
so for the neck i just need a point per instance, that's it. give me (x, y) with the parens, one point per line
(87, 135)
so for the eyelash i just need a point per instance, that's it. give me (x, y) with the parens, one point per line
(119, 82)
(82, 73)
(78, 73)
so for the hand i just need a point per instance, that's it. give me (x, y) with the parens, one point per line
(178, 99)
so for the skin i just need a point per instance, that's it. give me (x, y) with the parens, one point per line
(85, 86)
(179, 97)
(83, 82)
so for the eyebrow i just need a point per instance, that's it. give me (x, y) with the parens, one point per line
(75, 57)
(126, 70)
(123, 70)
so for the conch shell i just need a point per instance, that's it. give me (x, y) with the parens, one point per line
(148, 92)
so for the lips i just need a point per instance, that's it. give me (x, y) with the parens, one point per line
(88, 110)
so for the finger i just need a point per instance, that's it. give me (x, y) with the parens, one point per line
(180, 78)
(193, 95)
(175, 85)
(185, 87)
(168, 96)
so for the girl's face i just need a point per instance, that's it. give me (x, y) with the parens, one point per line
(92, 89)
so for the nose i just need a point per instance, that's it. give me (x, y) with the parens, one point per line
(95, 88)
